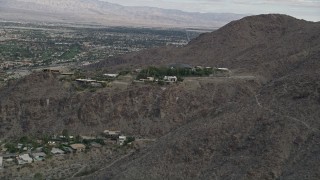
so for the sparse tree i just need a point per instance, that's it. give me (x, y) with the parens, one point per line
(38, 176)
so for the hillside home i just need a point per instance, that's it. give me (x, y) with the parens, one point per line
(57, 151)
(137, 70)
(52, 143)
(24, 159)
(67, 149)
(39, 156)
(63, 137)
(38, 149)
(170, 79)
(96, 84)
(78, 147)
(9, 156)
(19, 146)
(150, 78)
(1, 162)
(112, 134)
(222, 72)
(111, 75)
(223, 69)
(179, 66)
(86, 80)
(122, 139)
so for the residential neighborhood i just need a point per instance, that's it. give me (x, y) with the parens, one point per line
(27, 150)
(29, 48)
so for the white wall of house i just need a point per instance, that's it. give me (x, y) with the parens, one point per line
(24, 159)
(170, 78)
(122, 139)
(1, 162)
(111, 75)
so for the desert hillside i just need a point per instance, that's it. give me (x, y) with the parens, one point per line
(267, 45)
(262, 122)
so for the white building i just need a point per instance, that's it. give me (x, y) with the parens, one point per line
(111, 75)
(1, 162)
(122, 139)
(111, 134)
(24, 159)
(52, 143)
(78, 147)
(57, 151)
(19, 146)
(150, 78)
(223, 69)
(170, 79)
(86, 80)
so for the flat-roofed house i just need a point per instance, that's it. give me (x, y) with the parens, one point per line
(150, 78)
(78, 147)
(112, 134)
(223, 69)
(111, 75)
(86, 80)
(170, 79)
(56, 151)
(24, 159)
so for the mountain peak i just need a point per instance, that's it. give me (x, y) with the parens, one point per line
(267, 45)
(253, 28)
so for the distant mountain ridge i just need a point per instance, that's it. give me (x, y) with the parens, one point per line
(98, 12)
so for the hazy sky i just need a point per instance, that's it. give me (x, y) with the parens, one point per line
(304, 9)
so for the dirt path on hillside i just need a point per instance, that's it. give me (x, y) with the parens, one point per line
(286, 116)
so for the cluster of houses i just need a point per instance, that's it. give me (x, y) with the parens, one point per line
(166, 79)
(87, 81)
(96, 83)
(187, 66)
(60, 145)
(172, 79)
(26, 157)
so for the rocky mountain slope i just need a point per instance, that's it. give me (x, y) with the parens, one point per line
(104, 13)
(266, 45)
(271, 131)
(264, 125)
